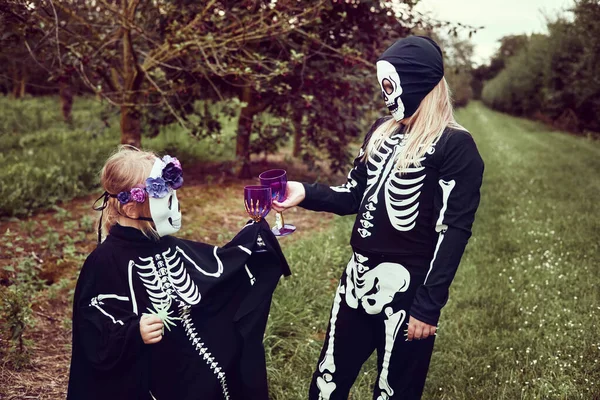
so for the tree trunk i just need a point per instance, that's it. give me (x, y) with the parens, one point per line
(242, 148)
(131, 129)
(297, 134)
(22, 85)
(66, 99)
(17, 81)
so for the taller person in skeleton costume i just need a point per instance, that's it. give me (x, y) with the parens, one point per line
(415, 189)
(157, 317)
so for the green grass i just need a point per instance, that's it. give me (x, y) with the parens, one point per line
(523, 320)
(524, 312)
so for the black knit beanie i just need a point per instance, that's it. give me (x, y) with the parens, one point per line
(414, 66)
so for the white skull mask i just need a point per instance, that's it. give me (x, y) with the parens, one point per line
(387, 73)
(165, 211)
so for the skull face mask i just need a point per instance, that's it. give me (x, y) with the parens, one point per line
(165, 211)
(407, 71)
(389, 80)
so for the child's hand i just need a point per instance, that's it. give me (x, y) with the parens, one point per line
(151, 328)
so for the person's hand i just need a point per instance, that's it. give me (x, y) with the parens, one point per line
(151, 328)
(294, 194)
(419, 330)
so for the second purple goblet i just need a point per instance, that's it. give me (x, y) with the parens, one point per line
(276, 179)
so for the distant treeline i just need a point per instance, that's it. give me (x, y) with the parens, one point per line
(553, 77)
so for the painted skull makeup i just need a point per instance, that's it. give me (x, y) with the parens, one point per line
(389, 80)
(165, 211)
(407, 71)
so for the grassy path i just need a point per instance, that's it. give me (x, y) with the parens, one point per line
(523, 320)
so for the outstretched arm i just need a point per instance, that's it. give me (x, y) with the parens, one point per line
(341, 200)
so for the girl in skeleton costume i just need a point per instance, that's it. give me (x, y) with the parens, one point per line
(415, 189)
(156, 317)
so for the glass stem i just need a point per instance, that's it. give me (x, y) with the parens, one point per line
(279, 223)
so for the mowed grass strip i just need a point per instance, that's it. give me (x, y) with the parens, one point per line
(523, 318)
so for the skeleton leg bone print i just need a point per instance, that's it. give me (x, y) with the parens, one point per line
(393, 323)
(373, 289)
(327, 366)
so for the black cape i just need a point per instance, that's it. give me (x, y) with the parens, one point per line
(214, 303)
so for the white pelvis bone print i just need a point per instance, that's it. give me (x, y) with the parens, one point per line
(386, 73)
(372, 289)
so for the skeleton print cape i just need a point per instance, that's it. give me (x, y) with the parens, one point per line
(214, 304)
(422, 214)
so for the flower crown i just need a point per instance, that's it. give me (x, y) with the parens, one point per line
(171, 178)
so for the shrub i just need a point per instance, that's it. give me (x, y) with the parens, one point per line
(554, 77)
(15, 317)
(44, 162)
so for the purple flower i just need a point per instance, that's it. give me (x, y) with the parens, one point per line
(176, 184)
(157, 187)
(124, 197)
(138, 194)
(172, 174)
(169, 159)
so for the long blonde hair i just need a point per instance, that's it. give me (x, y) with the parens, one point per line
(124, 170)
(423, 128)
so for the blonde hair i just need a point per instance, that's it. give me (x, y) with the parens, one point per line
(423, 128)
(125, 169)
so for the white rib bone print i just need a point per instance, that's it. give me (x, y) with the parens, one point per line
(148, 274)
(163, 278)
(379, 165)
(168, 281)
(179, 277)
(402, 188)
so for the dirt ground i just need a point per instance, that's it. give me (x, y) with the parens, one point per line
(59, 240)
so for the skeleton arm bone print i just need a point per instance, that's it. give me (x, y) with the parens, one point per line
(101, 311)
(344, 199)
(456, 201)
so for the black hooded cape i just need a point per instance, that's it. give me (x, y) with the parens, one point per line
(214, 303)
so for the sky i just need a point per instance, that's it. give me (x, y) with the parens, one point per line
(499, 17)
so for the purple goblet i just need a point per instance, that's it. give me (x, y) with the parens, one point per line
(276, 179)
(258, 200)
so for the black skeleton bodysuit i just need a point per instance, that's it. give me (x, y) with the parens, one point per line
(214, 303)
(409, 235)
(425, 214)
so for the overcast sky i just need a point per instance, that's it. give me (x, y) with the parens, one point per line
(500, 18)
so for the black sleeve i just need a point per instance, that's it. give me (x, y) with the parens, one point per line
(105, 328)
(345, 199)
(456, 201)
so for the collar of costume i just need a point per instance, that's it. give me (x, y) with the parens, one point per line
(129, 234)
(414, 66)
